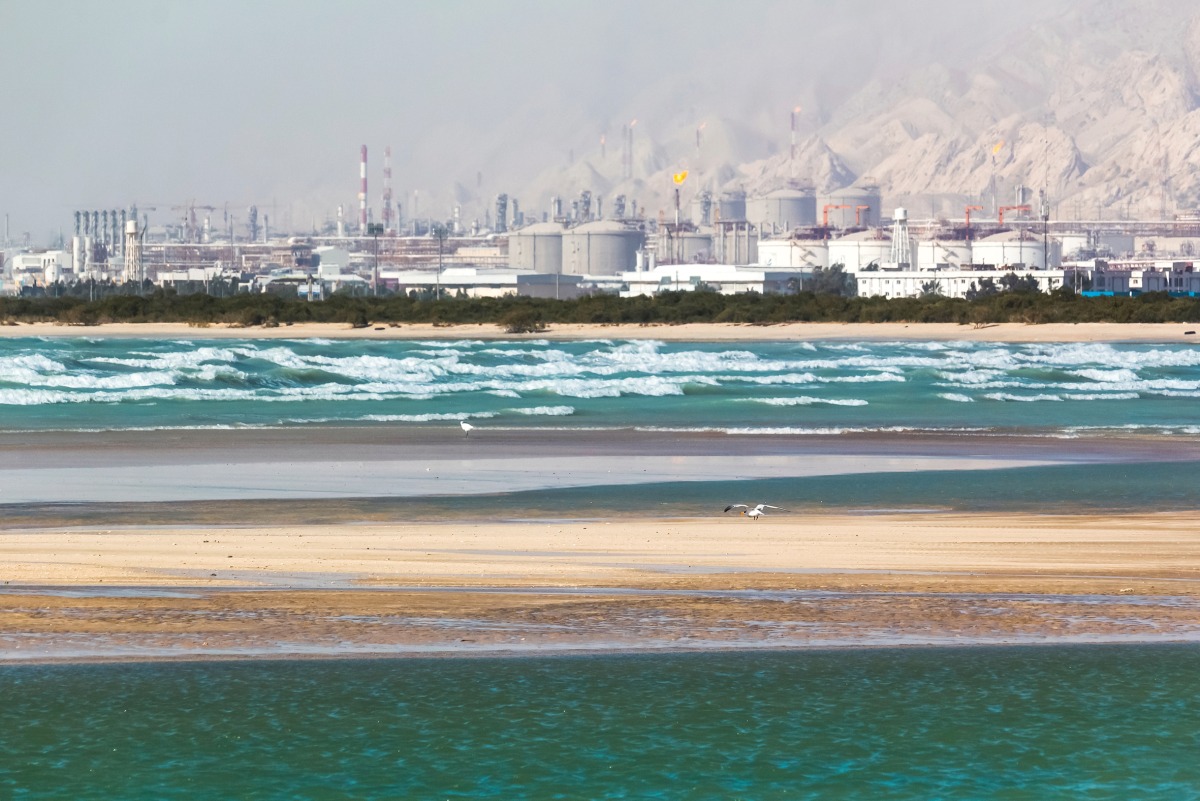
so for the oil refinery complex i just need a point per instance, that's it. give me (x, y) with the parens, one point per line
(727, 241)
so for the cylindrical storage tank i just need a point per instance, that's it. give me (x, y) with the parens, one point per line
(786, 209)
(687, 247)
(696, 246)
(854, 206)
(77, 261)
(732, 205)
(1009, 249)
(943, 254)
(858, 251)
(604, 247)
(537, 247)
(793, 253)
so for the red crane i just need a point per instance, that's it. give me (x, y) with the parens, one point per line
(825, 212)
(1003, 209)
(969, 210)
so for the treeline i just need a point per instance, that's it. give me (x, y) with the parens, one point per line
(520, 314)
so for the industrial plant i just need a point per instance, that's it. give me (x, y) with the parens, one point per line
(723, 240)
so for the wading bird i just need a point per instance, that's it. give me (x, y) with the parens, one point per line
(755, 512)
(466, 427)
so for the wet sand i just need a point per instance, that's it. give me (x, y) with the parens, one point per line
(699, 332)
(40, 468)
(489, 463)
(724, 582)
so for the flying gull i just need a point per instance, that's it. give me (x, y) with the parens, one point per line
(755, 512)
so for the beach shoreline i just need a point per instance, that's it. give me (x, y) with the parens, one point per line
(689, 332)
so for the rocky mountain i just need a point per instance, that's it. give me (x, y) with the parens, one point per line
(1097, 107)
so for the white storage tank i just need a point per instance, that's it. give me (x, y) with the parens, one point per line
(604, 247)
(687, 247)
(1012, 249)
(860, 250)
(732, 206)
(537, 247)
(943, 254)
(785, 209)
(854, 206)
(793, 253)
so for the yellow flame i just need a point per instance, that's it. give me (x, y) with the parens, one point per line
(703, 125)
(796, 110)
(998, 146)
(680, 177)
(633, 123)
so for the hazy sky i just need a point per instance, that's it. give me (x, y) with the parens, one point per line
(232, 102)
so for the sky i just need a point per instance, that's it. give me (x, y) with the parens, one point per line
(165, 103)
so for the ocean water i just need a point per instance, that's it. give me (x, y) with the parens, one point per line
(1078, 722)
(753, 387)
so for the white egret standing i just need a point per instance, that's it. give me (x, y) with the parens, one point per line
(466, 427)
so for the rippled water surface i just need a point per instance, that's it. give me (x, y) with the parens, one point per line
(1112, 722)
(753, 386)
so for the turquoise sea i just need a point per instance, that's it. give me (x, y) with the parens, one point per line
(753, 387)
(1114, 722)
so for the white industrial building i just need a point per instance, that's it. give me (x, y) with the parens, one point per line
(476, 282)
(726, 279)
(1178, 277)
(949, 283)
(41, 268)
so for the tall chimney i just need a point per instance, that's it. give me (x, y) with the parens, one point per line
(387, 189)
(362, 194)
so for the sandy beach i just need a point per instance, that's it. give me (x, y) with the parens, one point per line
(463, 588)
(1001, 332)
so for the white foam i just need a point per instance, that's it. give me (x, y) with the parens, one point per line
(1006, 396)
(808, 401)
(547, 411)
(1102, 396)
(955, 397)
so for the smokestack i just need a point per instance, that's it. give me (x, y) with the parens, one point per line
(362, 194)
(795, 111)
(629, 149)
(341, 222)
(387, 188)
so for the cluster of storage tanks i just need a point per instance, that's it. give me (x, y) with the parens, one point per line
(788, 209)
(603, 247)
(864, 250)
(726, 229)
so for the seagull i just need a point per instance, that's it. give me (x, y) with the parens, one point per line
(466, 427)
(756, 512)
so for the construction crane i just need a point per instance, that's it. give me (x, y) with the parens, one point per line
(825, 212)
(1024, 207)
(970, 209)
(189, 218)
(858, 210)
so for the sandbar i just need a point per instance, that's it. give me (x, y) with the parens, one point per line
(460, 587)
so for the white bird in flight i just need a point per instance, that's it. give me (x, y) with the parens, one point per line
(755, 512)
(466, 427)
